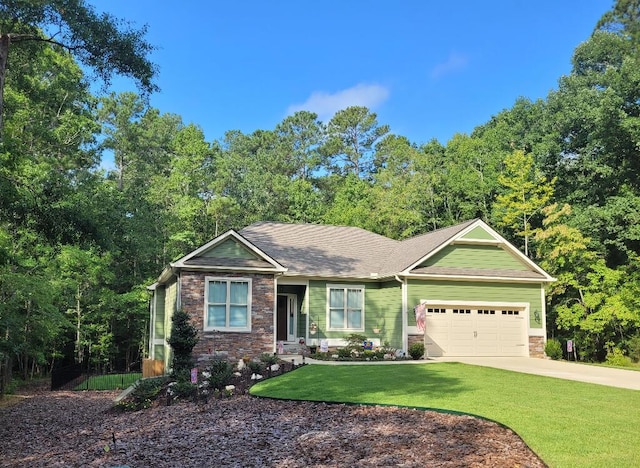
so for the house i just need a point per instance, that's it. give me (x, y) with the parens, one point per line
(463, 290)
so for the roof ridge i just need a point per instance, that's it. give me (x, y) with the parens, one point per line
(461, 225)
(319, 225)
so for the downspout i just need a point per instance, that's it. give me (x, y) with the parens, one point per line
(405, 323)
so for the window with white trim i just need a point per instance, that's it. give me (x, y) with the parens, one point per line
(227, 304)
(345, 307)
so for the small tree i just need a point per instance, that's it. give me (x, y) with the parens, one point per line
(184, 336)
(525, 192)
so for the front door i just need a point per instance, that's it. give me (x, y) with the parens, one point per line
(286, 317)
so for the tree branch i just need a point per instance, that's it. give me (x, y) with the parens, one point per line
(32, 37)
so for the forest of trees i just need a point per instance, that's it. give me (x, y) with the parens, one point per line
(559, 177)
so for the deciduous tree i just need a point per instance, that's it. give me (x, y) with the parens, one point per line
(525, 193)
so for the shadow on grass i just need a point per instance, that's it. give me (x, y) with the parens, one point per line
(388, 384)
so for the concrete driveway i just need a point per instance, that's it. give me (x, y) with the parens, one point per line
(559, 369)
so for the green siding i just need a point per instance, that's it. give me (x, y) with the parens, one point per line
(229, 249)
(475, 256)
(169, 309)
(382, 309)
(159, 352)
(158, 325)
(476, 292)
(478, 233)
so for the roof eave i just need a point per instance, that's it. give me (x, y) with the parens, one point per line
(500, 279)
(280, 270)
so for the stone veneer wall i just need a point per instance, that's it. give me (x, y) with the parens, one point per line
(232, 346)
(414, 339)
(536, 346)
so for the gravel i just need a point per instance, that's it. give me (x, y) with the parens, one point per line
(52, 429)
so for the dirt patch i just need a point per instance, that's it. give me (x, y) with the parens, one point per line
(78, 429)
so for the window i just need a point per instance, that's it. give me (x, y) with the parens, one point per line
(227, 304)
(487, 311)
(436, 310)
(461, 311)
(510, 312)
(345, 307)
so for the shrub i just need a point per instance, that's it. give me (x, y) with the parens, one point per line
(255, 367)
(344, 353)
(387, 349)
(553, 349)
(368, 354)
(634, 348)
(218, 374)
(616, 357)
(144, 393)
(184, 336)
(269, 359)
(355, 341)
(181, 390)
(416, 350)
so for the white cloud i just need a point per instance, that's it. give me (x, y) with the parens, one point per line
(327, 104)
(453, 63)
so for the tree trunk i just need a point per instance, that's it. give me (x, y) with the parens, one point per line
(4, 55)
(526, 235)
(78, 319)
(5, 369)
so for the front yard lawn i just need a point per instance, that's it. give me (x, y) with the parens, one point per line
(566, 423)
(109, 381)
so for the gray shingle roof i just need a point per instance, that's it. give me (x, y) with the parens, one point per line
(411, 250)
(320, 250)
(342, 251)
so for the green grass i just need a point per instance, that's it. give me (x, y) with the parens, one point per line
(566, 423)
(109, 382)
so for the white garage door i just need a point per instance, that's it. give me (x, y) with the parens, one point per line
(477, 331)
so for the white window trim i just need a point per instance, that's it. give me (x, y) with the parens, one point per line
(328, 312)
(206, 304)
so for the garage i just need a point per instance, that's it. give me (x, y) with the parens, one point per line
(484, 330)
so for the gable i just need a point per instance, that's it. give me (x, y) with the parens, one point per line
(478, 233)
(230, 248)
(230, 251)
(489, 257)
(479, 252)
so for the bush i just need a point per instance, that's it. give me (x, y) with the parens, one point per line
(634, 348)
(255, 367)
(553, 349)
(144, 393)
(416, 350)
(344, 353)
(269, 359)
(184, 336)
(218, 374)
(386, 348)
(356, 341)
(616, 358)
(368, 354)
(182, 390)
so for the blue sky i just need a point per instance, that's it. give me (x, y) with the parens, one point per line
(429, 69)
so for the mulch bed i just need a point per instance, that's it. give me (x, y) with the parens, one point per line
(79, 428)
